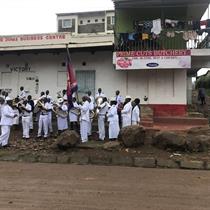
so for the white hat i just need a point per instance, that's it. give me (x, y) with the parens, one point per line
(8, 98)
(113, 99)
(65, 97)
(60, 100)
(127, 97)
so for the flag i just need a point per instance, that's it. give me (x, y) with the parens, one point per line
(71, 80)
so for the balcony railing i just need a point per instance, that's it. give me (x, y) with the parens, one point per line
(167, 40)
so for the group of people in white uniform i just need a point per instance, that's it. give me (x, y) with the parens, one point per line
(119, 113)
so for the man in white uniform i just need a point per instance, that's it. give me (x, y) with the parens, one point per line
(16, 112)
(43, 119)
(103, 108)
(22, 94)
(62, 122)
(126, 112)
(84, 118)
(73, 115)
(113, 120)
(50, 107)
(136, 112)
(91, 108)
(99, 94)
(26, 110)
(119, 100)
(7, 116)
(48, 96)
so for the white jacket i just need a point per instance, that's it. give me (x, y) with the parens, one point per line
(104, 108)
(126, 113)
(85, 108)
(136, 114)
(112, 114)
(7, 115)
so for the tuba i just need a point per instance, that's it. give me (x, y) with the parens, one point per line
(92, 114)
(99, 101)
(56, 109)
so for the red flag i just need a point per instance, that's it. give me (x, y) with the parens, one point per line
(71, 80)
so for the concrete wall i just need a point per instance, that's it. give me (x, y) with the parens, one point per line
(44, 71)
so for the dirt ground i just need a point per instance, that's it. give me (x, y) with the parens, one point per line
(17, 144)
(65, 187)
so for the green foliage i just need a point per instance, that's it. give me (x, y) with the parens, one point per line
(203, 81)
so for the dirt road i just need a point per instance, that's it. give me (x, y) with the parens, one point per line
(66, 187)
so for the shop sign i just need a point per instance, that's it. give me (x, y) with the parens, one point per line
(159, 59)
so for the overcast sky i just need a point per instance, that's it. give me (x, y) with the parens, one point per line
(39, 16)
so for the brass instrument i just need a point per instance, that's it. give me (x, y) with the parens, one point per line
(38, 107)
(16, 103)
(59, 94)
(58, 111)
(92, 114)
(75, 111)
(99, 101)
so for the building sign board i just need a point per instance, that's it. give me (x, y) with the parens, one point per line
(157, 59)
(34, 39)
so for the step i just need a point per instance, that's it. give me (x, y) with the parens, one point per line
(182, 120)
(147, 124)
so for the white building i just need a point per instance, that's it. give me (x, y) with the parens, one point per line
(38, 62)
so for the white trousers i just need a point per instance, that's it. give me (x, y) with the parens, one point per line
(5, 132)
(31, 121)
(84, 126)
(50, 121)
(114, 130)
(62, 123)
(43, 123)
(90, 127)
(26, 126)
(126, 122)
(101, 127)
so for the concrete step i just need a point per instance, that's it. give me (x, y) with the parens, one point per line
(182, 120)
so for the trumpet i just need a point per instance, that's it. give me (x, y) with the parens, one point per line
(16, 104)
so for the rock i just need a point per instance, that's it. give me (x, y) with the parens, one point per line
(68, 139)
(112, 145)
(172, 140)
(132, 136)
(198, 143)
(199, 131)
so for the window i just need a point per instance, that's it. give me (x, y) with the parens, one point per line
(103, 20)
(81, 22)
(96, 20)
(112, 20)
(88, 21)
(67, 23)
(86, 81)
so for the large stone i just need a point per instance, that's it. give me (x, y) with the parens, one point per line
(198, 143)
(111, 145)
(68, 139)
(172, 140)
(132, 136)
(199, 131)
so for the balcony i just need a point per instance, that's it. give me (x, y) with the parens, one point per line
(165, 35)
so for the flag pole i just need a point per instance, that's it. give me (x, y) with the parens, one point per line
(69, 57)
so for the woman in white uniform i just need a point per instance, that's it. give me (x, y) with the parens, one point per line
(113, 120)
